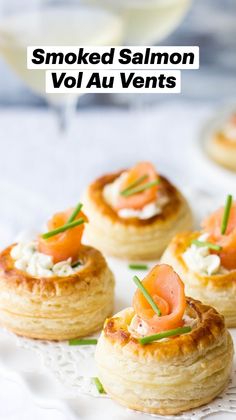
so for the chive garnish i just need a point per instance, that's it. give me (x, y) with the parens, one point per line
(134, 184)
(141, 188)
(164, 334)
(62, 228)
(76, 264)
(75, 212)
(209, 245)
(138, 266)
(225, 219)
(148, 297)
(99, 386)
(83, 341)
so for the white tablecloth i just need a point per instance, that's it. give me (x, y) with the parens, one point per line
(41, 171)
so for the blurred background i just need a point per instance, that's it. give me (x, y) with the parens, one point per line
(52, 146)
(207, 23)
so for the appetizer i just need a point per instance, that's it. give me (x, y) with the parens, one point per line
(221, 145)
(53, 287)
(206, 261)
(134, 213)
(167, 353)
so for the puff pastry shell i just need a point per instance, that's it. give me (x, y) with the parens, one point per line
(56, 308)
(218, 290)
(222, 151)
(133, 238)
(169, 376)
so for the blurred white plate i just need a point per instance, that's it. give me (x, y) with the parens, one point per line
(226, 179)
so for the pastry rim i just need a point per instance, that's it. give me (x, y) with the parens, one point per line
(14, 278)
(170, 209)
(179, 245)
(221, 140)
(207, 331)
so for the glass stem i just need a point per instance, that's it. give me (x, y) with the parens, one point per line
(65, 111)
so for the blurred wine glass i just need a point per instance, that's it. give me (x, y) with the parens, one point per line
(52, 22)
(146, 21)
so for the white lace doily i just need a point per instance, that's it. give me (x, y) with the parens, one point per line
(74, 367)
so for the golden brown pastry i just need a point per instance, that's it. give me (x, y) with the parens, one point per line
(221, 145)
(47, 296)
(206, 261)
(170, 375)
(138, 226)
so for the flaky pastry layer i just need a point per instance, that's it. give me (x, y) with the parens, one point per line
(168, 376)
(133, 238)
(56, 308)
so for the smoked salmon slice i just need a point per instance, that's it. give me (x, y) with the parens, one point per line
(66, 244)
(212, 225)
(167, 291)
(147, 173)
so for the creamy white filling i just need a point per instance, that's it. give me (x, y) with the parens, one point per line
(37, 264)
(200, 260)
(189, 321)
(139, 328)
(230, 131)
(111, 194)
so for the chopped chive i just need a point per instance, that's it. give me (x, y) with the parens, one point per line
(164, 334)
(76, 264)
(75, 212)
(141, 188)
(138, 266)
(148, 297)
(207, 244)
(99, 386)
(134, 184)
(63, 228)
(83, 341)
(225, 219)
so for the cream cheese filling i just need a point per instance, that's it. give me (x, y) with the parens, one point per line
(28, 259)
(111, 193)
(201, 261)
(138, 328)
